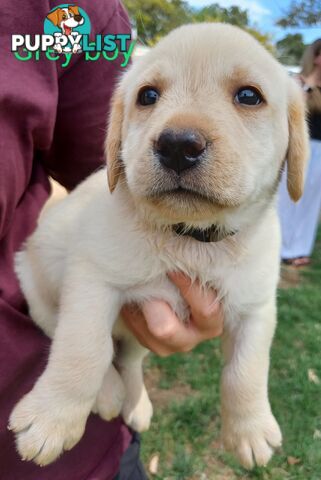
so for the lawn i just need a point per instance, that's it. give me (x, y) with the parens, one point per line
(185, 430)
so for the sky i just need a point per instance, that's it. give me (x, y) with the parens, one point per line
(263, 14)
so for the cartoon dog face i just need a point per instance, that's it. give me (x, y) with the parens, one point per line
(66, 18)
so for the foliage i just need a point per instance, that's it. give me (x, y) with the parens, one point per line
(262, 38)
(290, 49)
(234, 15)
(155, 18)
(215, 13)
(301, 13)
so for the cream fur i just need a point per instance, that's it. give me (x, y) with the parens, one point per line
(95, 250)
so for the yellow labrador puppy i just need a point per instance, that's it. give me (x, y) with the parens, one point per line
(199, 133)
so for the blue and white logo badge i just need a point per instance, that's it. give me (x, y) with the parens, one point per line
(67, 23)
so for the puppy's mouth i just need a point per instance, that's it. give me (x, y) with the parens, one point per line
(67, 30)
(179, 194)
(191, 190)
(183, 192)
(191, 199)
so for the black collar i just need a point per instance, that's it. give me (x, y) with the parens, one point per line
(214, 233)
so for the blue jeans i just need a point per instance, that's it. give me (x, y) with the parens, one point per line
(131, 467)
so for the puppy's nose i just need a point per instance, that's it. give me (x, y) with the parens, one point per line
(179, 150)
(77, 18)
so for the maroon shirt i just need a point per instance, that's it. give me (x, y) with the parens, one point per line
(52, 121)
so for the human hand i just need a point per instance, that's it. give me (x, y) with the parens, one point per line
(157, 327)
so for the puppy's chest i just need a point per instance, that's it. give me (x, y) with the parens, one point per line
(212, 266)
(215, 265)
(228, 266)
(195, 259)
(141, 270)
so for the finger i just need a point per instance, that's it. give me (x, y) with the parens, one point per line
(160, 330)
(160, 318)
(203, 302)
(168, 330)
(136, 323)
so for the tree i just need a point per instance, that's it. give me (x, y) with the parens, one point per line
(263, 38)
(155, 18)
(302, 13)
(290, 49)
(234, 15)
(216, 13)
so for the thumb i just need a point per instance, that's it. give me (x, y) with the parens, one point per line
(160, 318)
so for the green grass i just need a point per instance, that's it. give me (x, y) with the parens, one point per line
(185, 430)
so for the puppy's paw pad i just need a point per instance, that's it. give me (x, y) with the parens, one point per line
(44, 429)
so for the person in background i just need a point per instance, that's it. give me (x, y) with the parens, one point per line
(53, 123)
(299, 221)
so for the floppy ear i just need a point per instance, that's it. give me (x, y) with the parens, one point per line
(113, 141)
(74, 9)
(53, 17)
(298, 148)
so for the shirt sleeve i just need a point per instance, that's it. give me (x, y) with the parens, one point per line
(85, 90)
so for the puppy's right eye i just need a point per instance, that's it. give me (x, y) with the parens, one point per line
(248, 96)
(147, 96)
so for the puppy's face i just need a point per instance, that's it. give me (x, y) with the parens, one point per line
(204, 125)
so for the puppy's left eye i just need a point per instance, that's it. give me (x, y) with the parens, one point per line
(147, 96)
(248, 96)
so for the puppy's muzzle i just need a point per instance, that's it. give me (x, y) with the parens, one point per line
(179, 150)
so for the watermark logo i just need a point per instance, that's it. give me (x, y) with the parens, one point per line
(67, 24)
(67, 30)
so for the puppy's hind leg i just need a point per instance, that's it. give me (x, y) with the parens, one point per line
(111, 395)
(137, 409)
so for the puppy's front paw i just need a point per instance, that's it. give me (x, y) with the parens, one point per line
(138, 415)
(76, 48)
(58, 48)
(45, 427)
(252, 439)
